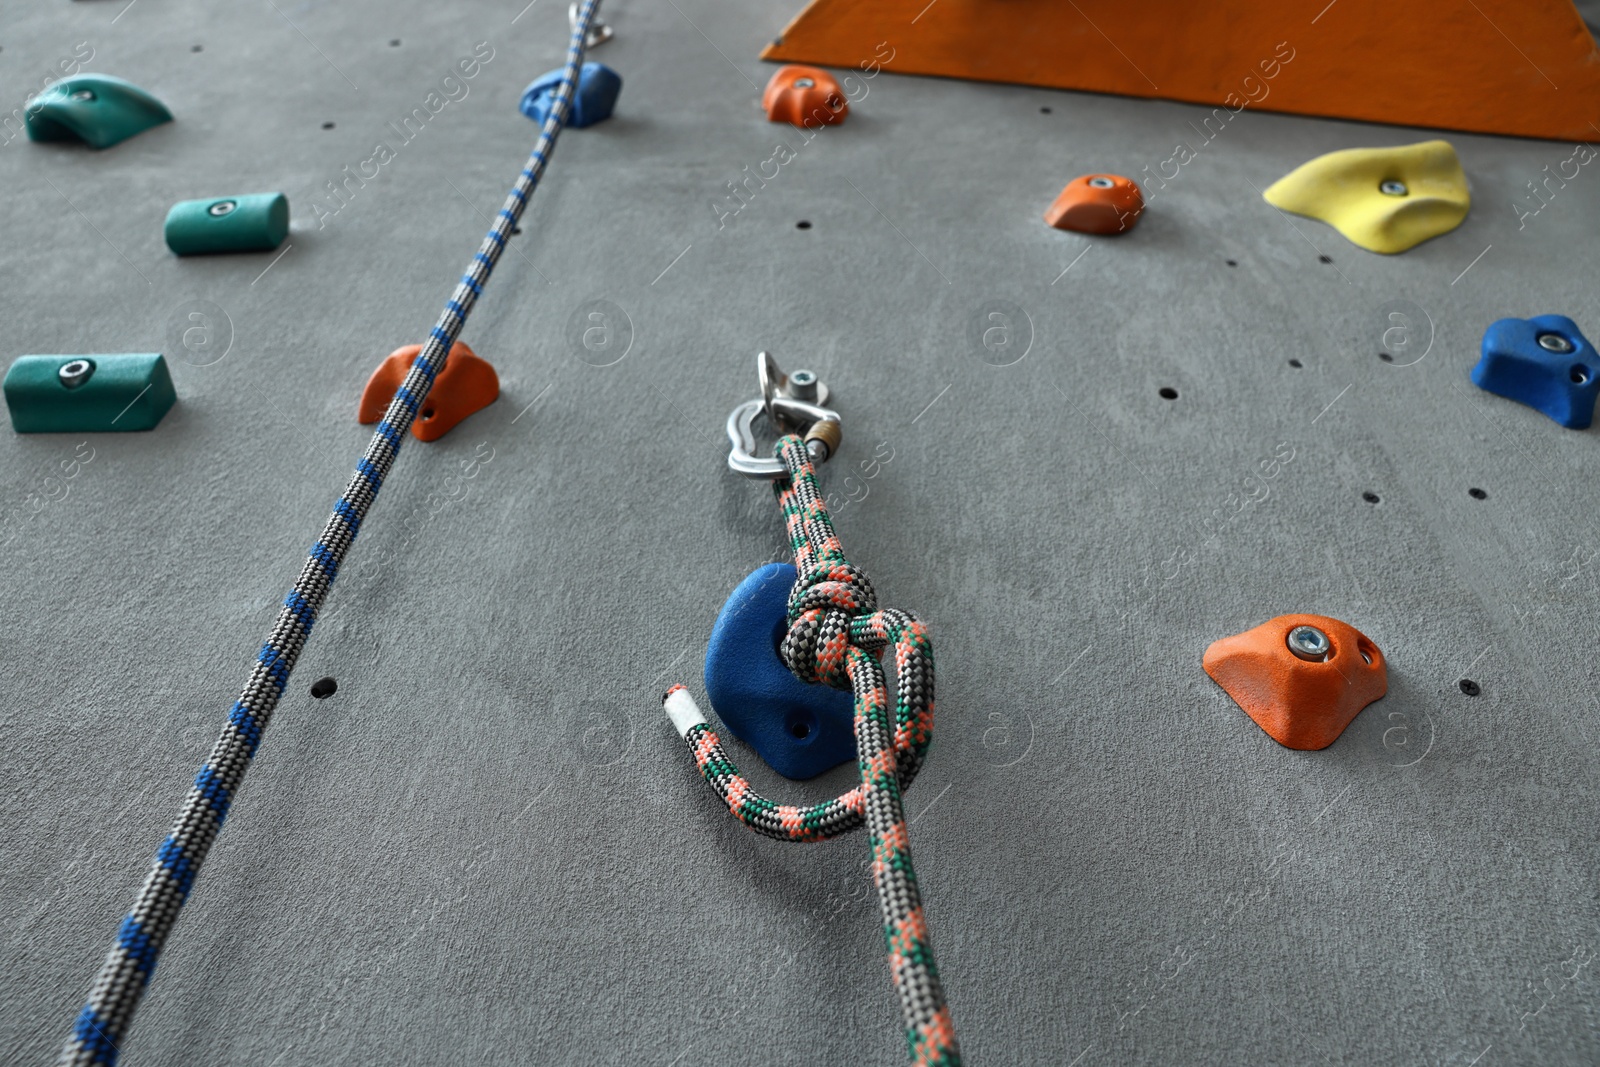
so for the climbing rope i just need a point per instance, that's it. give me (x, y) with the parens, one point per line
(103, 1023)
(836, 635)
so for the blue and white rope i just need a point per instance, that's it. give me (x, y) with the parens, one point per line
(103, 1023)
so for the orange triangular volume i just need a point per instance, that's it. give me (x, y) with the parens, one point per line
(1523, 67)
(466, 385)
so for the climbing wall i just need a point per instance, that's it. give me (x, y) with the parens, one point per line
(488, 845)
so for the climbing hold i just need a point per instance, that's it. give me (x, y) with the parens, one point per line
(257, 222)
(803, 96)
(96, 109)
(1097, 203)
(1302, 678)
(1544, 362)
(1382, 199)
(466, 385)
(596, 96)
(800, 730)
(88, 394)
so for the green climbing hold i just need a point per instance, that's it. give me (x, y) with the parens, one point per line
(96, 109)
(257, 222)
(88, 394)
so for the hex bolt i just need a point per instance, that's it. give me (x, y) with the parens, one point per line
(82, 95)
(221, 208)
(75, 373)
(1101, 183)
(804, 83)
(1393, 188)
(1554, 342)
(1309, 643)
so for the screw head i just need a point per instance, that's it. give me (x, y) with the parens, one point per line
(1554, 342)
(82, 94)
(803, 385)
(1393, 187)
(221, 208)
(1101, 183)
(1309, 643)
(75, 373)
(804, 83)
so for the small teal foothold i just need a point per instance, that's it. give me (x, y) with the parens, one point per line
(800, 730)
(1544, 362)
(596, 96)
(257, 222)
(88, 394)
(96, 109)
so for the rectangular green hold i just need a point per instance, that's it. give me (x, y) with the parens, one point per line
(257, 222)
(89, 394)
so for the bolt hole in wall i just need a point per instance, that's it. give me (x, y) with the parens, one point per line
(1477, 494)
(1167, 392)
(1386, 357)
(803, 224)
(1044, 111)
(1324, 259)
(1370, 497)
(1296, 364)
(194, 48)
(327, 125)
(323, 688)
(1469, 687)
(395, 43)
(1233, 262)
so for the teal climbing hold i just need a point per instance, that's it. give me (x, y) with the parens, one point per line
(88, 394)
(256, 222)
(96, 109)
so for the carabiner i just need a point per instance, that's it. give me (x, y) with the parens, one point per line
(789, 409)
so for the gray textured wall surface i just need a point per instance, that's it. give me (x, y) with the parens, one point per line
(490, 847)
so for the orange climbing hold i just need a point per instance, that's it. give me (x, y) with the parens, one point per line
(1523, 67)
(1302, 678)
(1097, 203)
(466, 385)
(804, 96)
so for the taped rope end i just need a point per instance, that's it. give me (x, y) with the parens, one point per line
(682, 710)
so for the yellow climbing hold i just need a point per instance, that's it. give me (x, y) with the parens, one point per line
(1383, 199)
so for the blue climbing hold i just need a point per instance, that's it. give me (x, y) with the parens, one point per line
(800, 730)
(1544, 362)
(97, 109)
(598, 89)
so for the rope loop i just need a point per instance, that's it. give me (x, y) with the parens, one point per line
(837, 634)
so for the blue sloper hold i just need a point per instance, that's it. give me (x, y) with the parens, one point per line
(1544, 362)
(598, 89)
(97, 109)
(800, 730)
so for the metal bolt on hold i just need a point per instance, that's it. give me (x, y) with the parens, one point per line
(1309, 643)
(82, 94)
(804, 83)
(1554, 342)
(221, 208)
(1101, 183)
(803, 385)
(75, 373)
(1393, 188)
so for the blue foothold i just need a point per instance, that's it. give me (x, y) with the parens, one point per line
(800, 730)
(1544, 362)
(596, 96)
